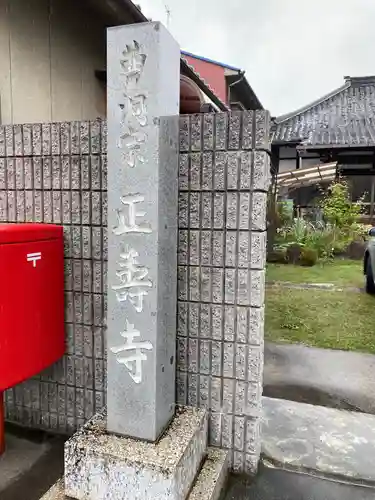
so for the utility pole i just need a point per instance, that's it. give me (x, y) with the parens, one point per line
(168, 11)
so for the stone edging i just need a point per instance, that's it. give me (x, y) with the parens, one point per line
(317, 286)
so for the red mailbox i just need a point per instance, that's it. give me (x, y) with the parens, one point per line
(32, 335)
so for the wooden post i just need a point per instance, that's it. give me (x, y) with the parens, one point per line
(2, 424)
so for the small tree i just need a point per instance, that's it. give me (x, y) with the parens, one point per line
(338, 208)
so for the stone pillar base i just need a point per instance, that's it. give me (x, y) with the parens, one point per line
(101, 466)
(209, 485)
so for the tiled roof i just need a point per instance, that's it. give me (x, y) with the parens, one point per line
(345, 117)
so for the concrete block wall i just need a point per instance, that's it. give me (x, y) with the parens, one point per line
(56, 173)
(223, 181)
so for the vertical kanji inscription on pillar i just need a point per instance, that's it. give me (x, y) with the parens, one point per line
(143, 104)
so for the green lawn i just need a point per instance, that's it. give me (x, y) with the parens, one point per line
(337, 320)
(321, 318)
(339, 272)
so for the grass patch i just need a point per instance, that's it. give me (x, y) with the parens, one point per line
(339, 272)
(336, 320)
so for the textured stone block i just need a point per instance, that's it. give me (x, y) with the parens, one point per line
(258, 211)
(85, 172)
(184, 133)
(195, 210)
(47, 174)
(235, 119)
(95, 137)
(11, 171)
(57, 492)
(262, 127)
(256, 325)
(247, 131)
(2, 142)
(212, 478)
(208, 131)
(258, 249)
(11, 207)
(37, 139)
(221, 131)
(65, 172)
(233, 170)
(207, 171)
(200, 248)
(196, 132)
(100, 466)
(183, 211)
(219, 170)
(74, 138)
(95, 172)
(75, 172)
(262, 171)
(46, 139)
(195, 172)
(21, 206)
(9, 140)
(84, 138)
(19, 173)
(183, 176)
(3, 174)
(56, 173)
(29, 206)
(55, 138)
(257, 286)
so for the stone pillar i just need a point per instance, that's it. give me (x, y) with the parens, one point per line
(143, 85)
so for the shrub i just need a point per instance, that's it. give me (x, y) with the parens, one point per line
(340, 248)
(326, 238)
(322, 238)
(356, 249)
(319, 236)
(278, 216)
(278, 212)
(308, 257)
(338, 208)
(294, 252)
(277, 256)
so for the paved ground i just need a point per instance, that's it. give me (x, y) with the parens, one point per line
(20, 456)
(320, 376)
(336, 443)
(33, 462)
(273, 484)
(270, 484)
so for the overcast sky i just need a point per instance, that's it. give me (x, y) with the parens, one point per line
(293, 51)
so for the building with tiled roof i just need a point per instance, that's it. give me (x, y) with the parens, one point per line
(343, 118)
(337, 129)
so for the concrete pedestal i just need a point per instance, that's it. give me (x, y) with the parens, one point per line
(209, 485)
(102, 466)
